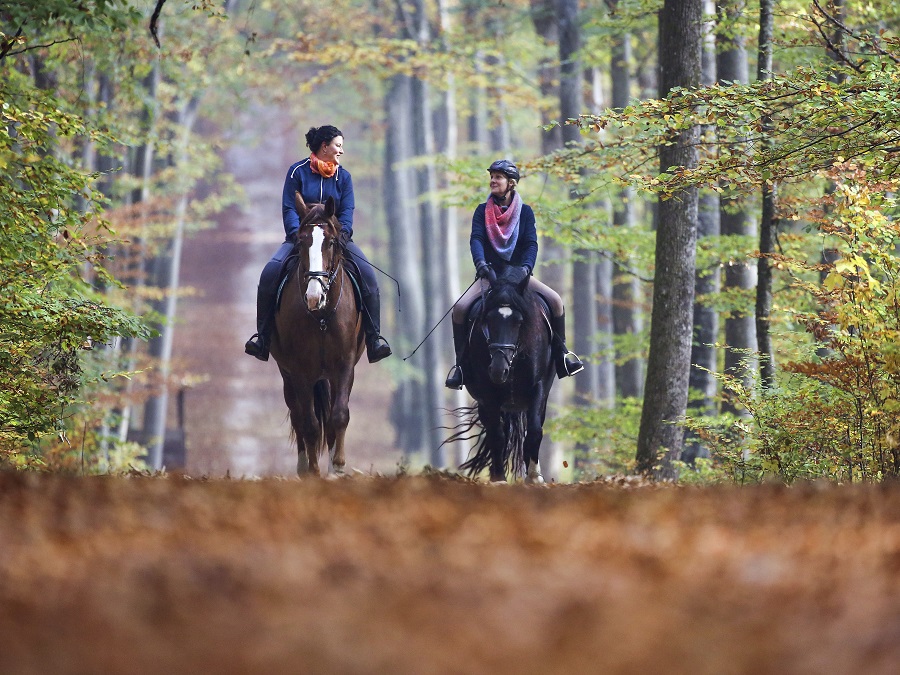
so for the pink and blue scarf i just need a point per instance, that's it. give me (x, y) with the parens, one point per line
(503, 226)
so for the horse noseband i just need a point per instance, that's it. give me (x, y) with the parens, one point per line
(325, 279)
(508, 350)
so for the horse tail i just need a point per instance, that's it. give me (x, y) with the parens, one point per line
(322, 408)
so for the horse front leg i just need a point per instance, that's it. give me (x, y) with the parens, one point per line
(305, 427)
(495, 440)
(532, 448)
(537, 412)
(340, 420)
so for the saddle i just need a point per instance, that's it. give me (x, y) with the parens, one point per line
(290, 264)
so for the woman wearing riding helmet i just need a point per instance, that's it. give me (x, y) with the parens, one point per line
(504, 235)
(317, 178)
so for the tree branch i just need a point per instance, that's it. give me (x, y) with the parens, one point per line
(9, 42)
(847, 31)
(154, 20)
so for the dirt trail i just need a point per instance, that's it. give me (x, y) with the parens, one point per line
(420, 575)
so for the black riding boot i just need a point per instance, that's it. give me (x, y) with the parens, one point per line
(377, 347)
(455, 376)
(258, 345)
(567, 363)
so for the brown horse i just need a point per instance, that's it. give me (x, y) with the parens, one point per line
(318, 339)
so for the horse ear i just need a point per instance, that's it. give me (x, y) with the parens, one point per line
(329, 207)
(301, 206)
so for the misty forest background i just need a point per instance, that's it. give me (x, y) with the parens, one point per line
(715, 187)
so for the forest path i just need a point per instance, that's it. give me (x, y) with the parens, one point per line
(236, 421)
(428, 575)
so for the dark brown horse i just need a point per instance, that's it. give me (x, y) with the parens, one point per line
(508, 370)
(318, 339)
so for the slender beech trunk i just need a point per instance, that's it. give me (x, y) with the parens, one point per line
(768, 223)
(407, 409)
(736, 219)
(703, 385)
(552, 258)
(665, 394)
(426, 184)
(450, 226)
(605, 392)
(167, 278)
(584, 291)
(626, 306)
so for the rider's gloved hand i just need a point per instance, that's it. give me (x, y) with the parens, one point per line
(518, 274)
(345, 238)
(485, 271)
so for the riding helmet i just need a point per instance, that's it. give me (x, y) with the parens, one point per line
(505, 167)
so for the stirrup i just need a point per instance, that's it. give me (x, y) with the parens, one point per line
(454, 378)
(568, 364)
(256, 347)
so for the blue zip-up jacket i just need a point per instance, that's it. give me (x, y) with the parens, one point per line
(526, 249)
(315, 189)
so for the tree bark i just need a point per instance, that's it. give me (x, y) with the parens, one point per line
(703, 384)
(671, 323)
(582, 311)
(626, 306)
(407, 412)
(736, 219)
(768, 222)
(426, 185)
(552, 259)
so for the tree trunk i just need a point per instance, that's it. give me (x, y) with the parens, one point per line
(167, 278)
(407, 410)
(426, 185)
(736, 219)
(582, 311)
(552, 259)
(626, 315)
(703, 383)
(768, 223)
(450, 226)
(605, 385)
(671, 323)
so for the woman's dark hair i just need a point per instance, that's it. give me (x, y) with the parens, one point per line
(318, 135)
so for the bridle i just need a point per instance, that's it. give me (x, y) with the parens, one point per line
(325, 279)
(508, 351)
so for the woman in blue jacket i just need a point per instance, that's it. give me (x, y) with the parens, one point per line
(317, 178)
(504, 235)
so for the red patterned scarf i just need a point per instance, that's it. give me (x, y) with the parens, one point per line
(503, 226)
(321, 167)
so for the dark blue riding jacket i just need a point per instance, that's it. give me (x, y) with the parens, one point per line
(526, 249)
(315, 189)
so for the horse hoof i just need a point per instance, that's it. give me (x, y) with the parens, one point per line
(534, 480)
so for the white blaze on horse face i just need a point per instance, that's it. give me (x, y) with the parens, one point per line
(505, 312)
(315, 296)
